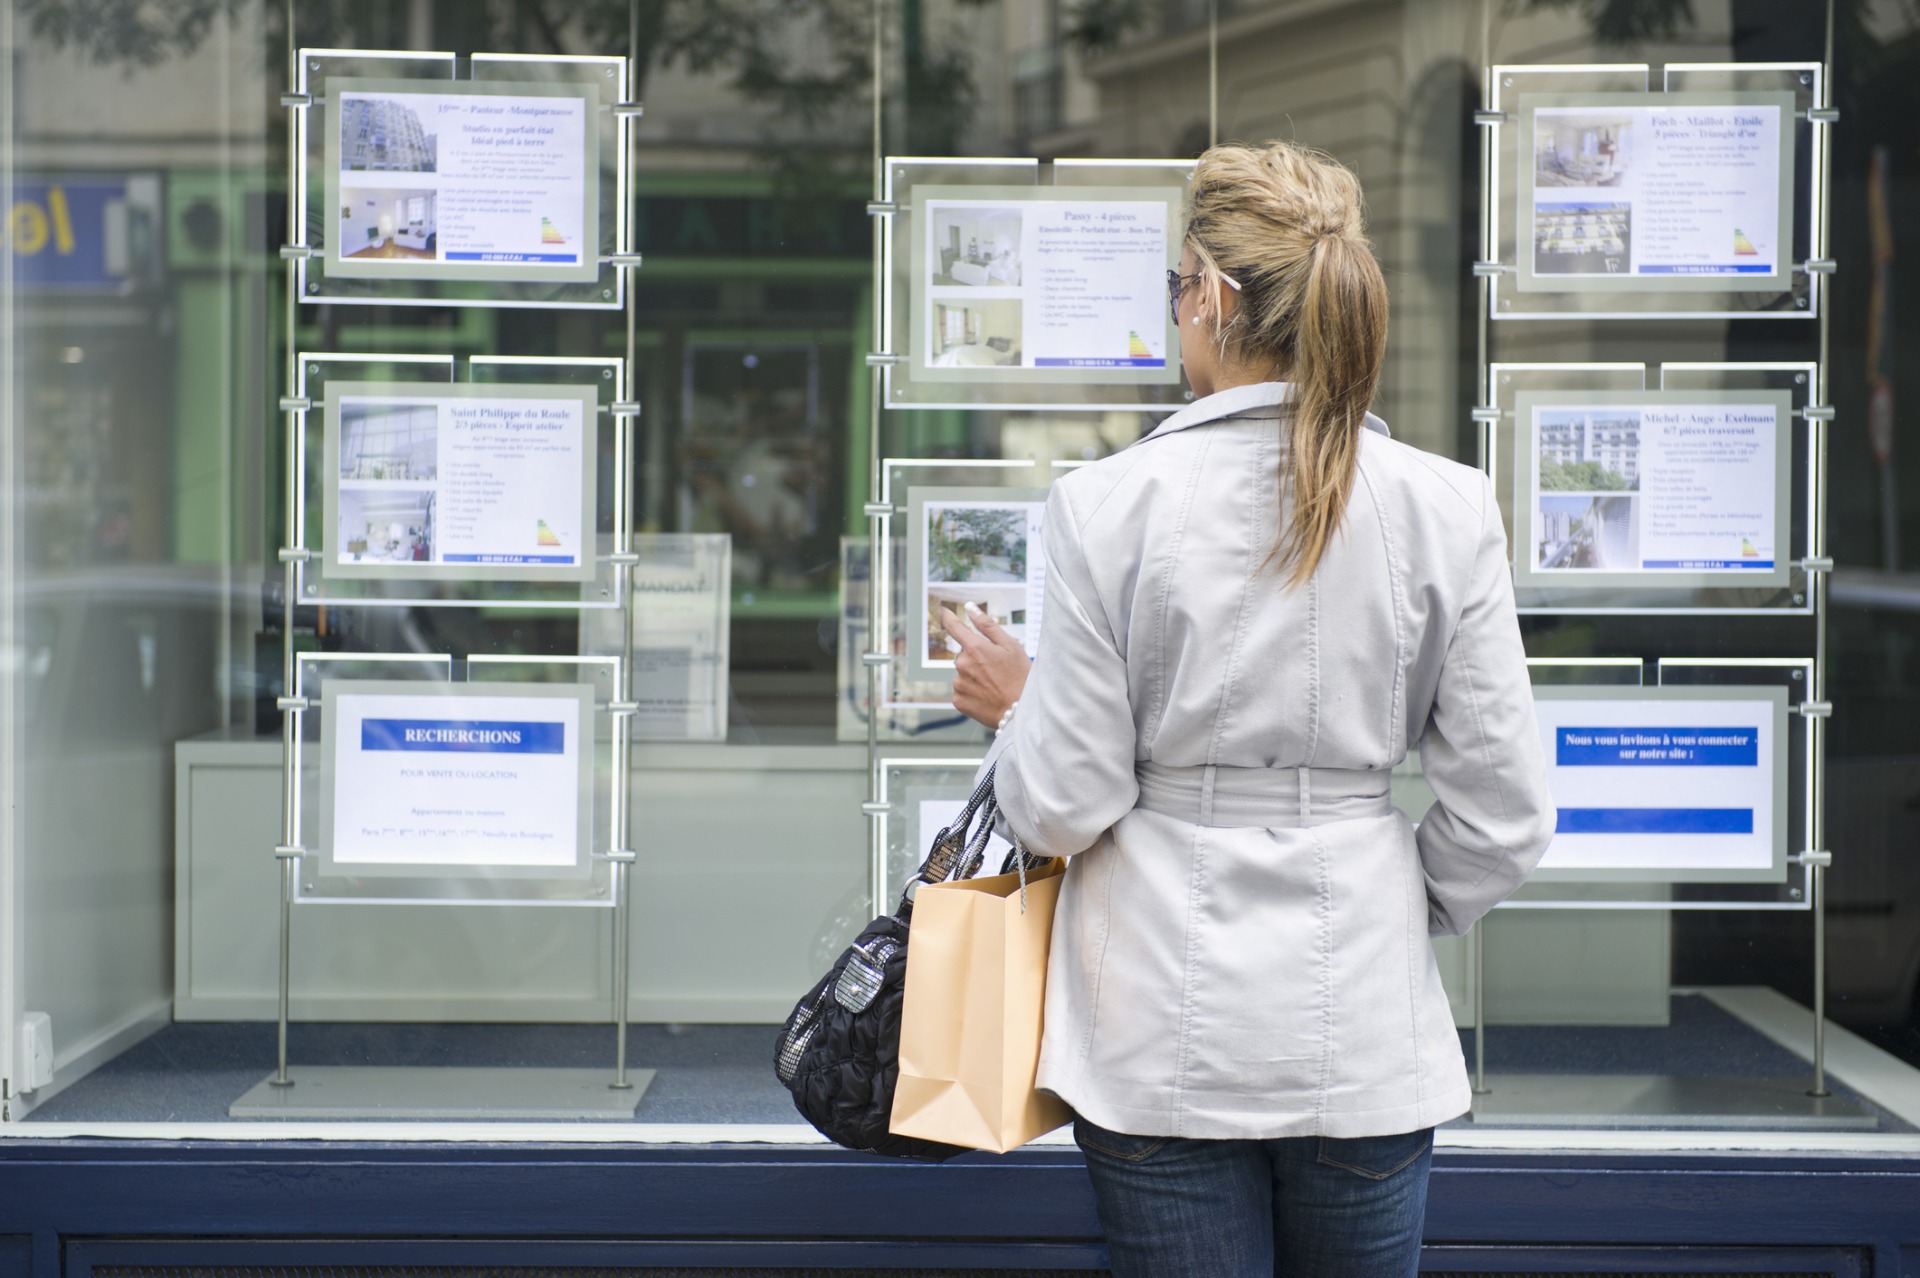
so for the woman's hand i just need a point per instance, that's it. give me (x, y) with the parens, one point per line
(992, 667)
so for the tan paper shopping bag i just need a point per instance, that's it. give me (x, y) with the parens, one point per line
(970, 1023)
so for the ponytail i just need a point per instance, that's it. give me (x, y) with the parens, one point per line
(1286, 223)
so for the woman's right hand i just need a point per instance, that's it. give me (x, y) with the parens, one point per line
(991, 671)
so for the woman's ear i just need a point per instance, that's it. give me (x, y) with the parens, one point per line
(1225, 299)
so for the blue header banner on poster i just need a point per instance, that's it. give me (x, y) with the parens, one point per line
(62, 235)
(1657, 747)
(463, 736)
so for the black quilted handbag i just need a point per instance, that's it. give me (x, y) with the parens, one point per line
(839, 1052)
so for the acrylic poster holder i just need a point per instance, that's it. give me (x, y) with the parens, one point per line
(374, 429)
(1611, 420)
(1001, 291)
(402, 158)
(913, 690)
(1570, 231)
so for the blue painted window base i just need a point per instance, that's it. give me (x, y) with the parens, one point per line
(87, 1258)
(73, 1208)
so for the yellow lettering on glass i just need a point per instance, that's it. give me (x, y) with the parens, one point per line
(27, 228)
(62, 223)
(29, 225)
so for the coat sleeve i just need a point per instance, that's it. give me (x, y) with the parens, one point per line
(1065, 763)
(1493, 814)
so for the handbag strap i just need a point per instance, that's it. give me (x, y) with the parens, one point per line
(960, 846)
(977, 844)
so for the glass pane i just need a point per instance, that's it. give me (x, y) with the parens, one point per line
(752, 490)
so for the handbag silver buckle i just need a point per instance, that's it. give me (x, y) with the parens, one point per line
(865, 972)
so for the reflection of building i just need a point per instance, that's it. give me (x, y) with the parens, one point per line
(378, 135)
(1613, 441)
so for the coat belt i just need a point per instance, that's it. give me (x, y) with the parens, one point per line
(1262, 798)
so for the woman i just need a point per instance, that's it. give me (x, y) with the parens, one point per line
(1251, 616)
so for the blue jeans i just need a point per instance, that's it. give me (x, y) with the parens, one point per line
(1302, 1207)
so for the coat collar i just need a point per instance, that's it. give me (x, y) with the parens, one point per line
(1256, 399)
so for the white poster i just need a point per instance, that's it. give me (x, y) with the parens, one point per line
(486, 180)
(460, 482)
(1626, 490)
(1665, 784)
(1059, 288)
(984, 549)
(1656, 191)
(495, 779)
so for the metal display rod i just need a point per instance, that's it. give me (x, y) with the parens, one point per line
(288, 851)
(876, 654)
(1819, 857)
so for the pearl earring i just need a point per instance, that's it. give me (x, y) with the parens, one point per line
(1195, 320)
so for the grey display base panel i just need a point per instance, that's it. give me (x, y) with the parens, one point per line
(1662, 1101)
(445, 1092)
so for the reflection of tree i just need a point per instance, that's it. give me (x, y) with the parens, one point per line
(139, 33)
(1622, 21)
(816, 100)
(1581, 477)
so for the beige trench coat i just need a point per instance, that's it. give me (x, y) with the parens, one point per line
(1242, 943)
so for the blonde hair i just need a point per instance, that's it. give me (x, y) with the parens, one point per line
(1287, 224)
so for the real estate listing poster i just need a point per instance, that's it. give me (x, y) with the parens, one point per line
(474, 778)
(1654, 489)
(470, 179)
(1655, 192)
(1663, 785)
(1018, 284)
(449, 482)
(978, 547)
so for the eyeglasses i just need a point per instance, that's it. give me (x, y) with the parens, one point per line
(1177, 282)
